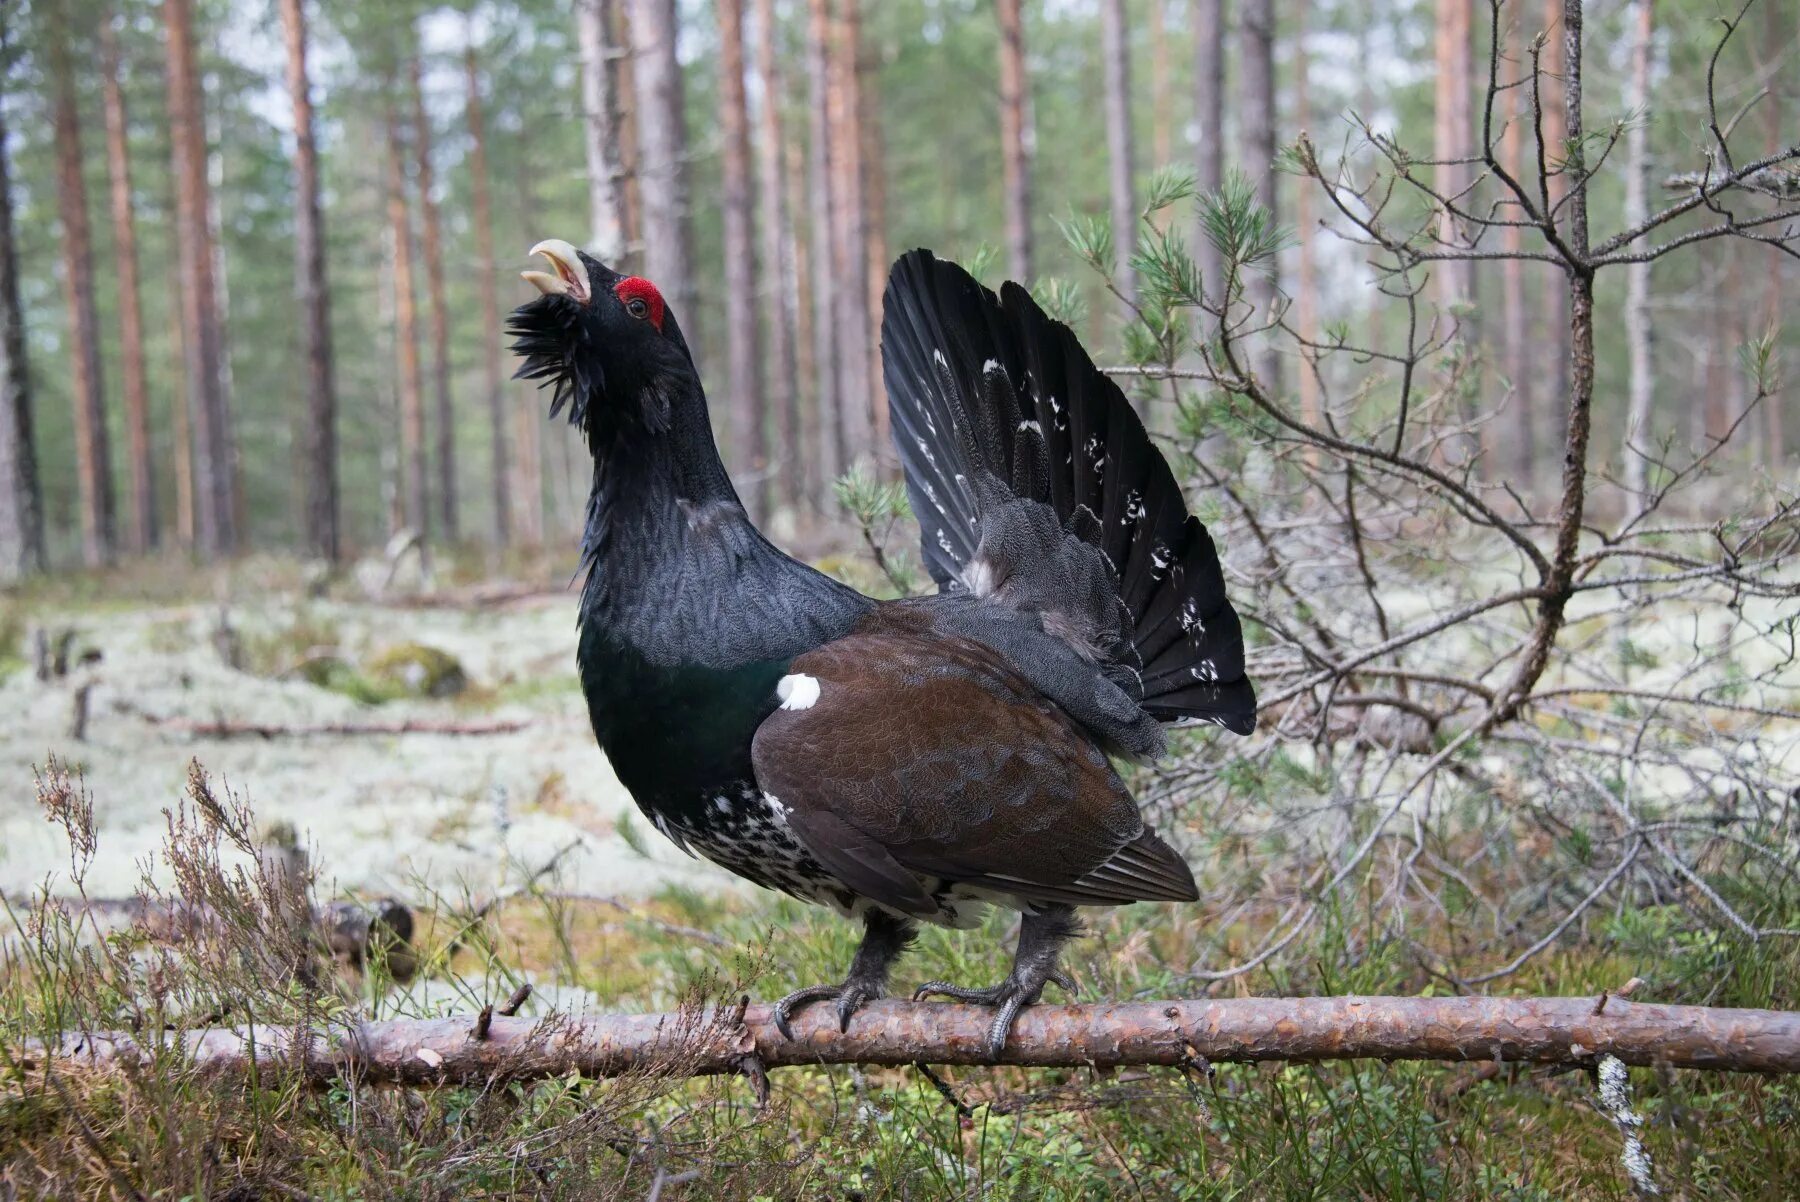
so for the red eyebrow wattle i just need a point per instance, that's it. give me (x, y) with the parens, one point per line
(638, 288)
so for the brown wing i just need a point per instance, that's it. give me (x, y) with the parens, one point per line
(907, 749)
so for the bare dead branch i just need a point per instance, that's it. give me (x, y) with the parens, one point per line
(1549, 1031)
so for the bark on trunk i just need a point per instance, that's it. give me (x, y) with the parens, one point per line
(1016, 139)
(1256, 135)
(432, 246)
(93, 463)
(1775, 35)
(746, 408)
(215, 509)
(777, 298)
(181, 425)
(1642, 385)
(1162, 117)
(1451, 128)
(1552, 401)
(874, 173)
(318, 444)
(1561, 1031)
(1121, 160)
(631, 191)
(600, 113)
(1514, 321)
(414, 465)
(850, 240)
(528, 432)
(21, 503)
(822, 203)
(1306, 308)
(662, 131)
(142, 533)
(486, 268)
(1209, 118)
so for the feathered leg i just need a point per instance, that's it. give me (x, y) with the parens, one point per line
(1042, 935)
(884, 938)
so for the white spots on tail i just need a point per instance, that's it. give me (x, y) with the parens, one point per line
(797, 692)
(1031, 425)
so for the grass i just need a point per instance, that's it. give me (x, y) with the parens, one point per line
(1301, 1132)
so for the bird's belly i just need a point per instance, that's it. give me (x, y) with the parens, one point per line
(742, 832)
(739, 830)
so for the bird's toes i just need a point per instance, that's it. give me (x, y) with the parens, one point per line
(959, 993)
(852, 999)
(783, 1011)
(1062, 978)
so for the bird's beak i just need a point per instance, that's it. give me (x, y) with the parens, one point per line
(570, 278)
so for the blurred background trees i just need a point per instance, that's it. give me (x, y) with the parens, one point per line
(258, 250)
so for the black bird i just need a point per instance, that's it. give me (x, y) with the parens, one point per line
(906, 761)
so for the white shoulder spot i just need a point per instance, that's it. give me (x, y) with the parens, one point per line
(797, 692)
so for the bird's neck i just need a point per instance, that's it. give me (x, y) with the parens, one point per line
(689, 615)
(677, 573)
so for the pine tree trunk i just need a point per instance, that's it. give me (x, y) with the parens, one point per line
(318, 446)
(850, 240)
(142, 535)
(449, 526)
(748, 434)
(1162, 118)
(1642, 385)
(777, 296)
(1551, 401)
(1306, 306)
(662, 130)
(873, 145)
(822, 203)
(414, 463)
(528, 415)
(805, 453)
(1115, 53)
(600, 113)
(1015, 139)
(631, 191)
(1514, 320)
(486, 271)
(1209, 118)
(1256, 134)
(21, 502)
(1450, 138)
(181, 425)
(1773, 115)
(215, 509)
(93, 464)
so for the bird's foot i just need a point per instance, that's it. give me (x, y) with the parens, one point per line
(1012, 995)
(851, 996)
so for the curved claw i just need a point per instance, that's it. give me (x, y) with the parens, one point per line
(784, 1009)
(851, 996)
(1001, 1027)
(1067, 982)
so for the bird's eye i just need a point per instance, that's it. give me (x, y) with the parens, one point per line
(638, 307)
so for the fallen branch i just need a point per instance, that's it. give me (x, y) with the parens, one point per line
(223, 729)
(1548, 1031)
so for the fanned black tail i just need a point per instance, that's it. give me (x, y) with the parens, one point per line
(986, 389)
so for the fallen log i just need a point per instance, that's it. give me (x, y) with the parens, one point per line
(1566, 1031)
(223, 729)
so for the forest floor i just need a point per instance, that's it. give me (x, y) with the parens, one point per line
(401, 814)
(456, 826)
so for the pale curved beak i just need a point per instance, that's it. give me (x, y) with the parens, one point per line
(569, 278)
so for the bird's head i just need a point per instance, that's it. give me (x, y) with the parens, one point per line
(607, 344)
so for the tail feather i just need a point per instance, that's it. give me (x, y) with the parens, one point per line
(985, 388)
